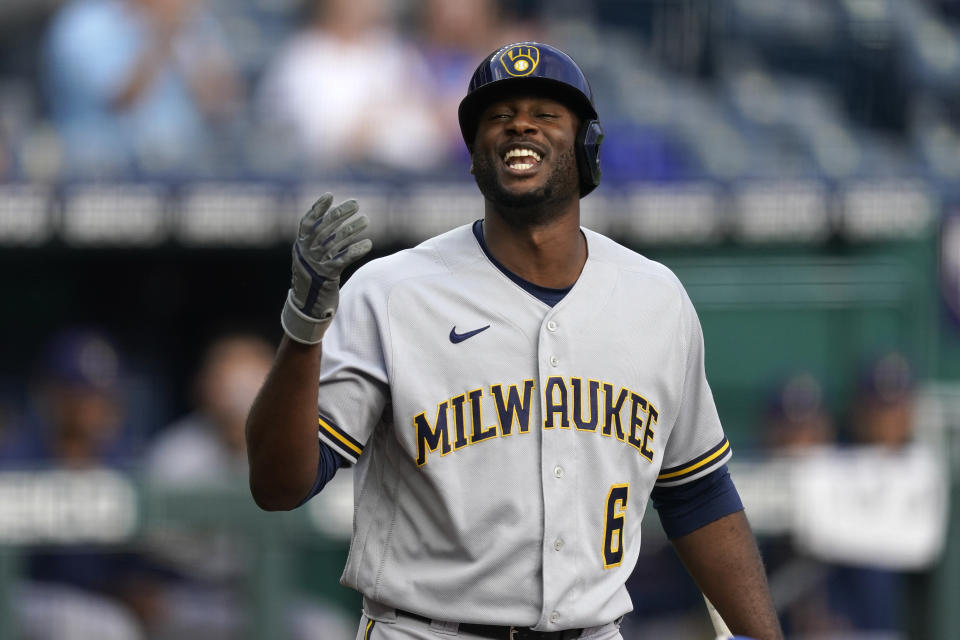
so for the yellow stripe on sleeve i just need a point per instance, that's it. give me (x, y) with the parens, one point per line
(331, 432)
(696, 465)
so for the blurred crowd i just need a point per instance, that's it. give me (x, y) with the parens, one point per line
(163, 88)
(176, 583)
(817, 598)
(174, 89)
(836, 600)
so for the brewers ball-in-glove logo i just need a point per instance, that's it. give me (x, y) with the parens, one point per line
(521, 60)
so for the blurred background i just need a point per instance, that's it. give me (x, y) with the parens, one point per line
(795, 162)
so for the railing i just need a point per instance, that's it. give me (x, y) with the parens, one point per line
(262, 213)
(110, 508)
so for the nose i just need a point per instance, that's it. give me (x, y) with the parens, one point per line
(522, 123)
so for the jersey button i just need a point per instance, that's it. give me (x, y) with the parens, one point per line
(551, 325)
(558, 544)
(554, 360)
(558, 471)
(554, 617)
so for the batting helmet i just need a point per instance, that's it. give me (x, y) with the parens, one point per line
(542, 69)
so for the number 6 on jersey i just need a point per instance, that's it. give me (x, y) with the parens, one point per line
(613, 525)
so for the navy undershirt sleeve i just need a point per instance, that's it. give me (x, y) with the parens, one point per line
(327, 467)
(687, 507)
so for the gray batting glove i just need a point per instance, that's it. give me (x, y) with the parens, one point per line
(327, 242)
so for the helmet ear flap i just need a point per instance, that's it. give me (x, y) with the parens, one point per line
(588, 142)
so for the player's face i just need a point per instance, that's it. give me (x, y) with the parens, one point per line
(523, 155)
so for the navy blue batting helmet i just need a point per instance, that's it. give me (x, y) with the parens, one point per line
(539, 68)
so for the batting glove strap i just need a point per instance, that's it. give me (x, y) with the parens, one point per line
(301, 327)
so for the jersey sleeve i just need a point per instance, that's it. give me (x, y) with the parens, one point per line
(697, 445)
(353, 387)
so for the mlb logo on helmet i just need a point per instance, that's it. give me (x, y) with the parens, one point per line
(520, 61)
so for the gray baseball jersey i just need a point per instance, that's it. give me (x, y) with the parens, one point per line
(505, 450)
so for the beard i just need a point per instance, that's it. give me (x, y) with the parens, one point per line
(535, 206)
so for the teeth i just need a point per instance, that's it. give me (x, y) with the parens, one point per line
(521, 153)
(521, 167)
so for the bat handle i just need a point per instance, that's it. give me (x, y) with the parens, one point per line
(723, 631)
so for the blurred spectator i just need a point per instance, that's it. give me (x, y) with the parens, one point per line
(137, 84)
(207, 448)
(883, 406)
(76, 423)
(76, 418)
(796, 419)
(869, 600)
(348, 92)
(796, 422)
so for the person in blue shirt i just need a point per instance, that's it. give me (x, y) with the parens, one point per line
(135, 85)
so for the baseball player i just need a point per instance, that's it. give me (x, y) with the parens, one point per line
(511, 394)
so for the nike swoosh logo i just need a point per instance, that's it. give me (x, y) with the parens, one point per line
(460, 337)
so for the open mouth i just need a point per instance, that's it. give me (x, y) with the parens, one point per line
(521, 158)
